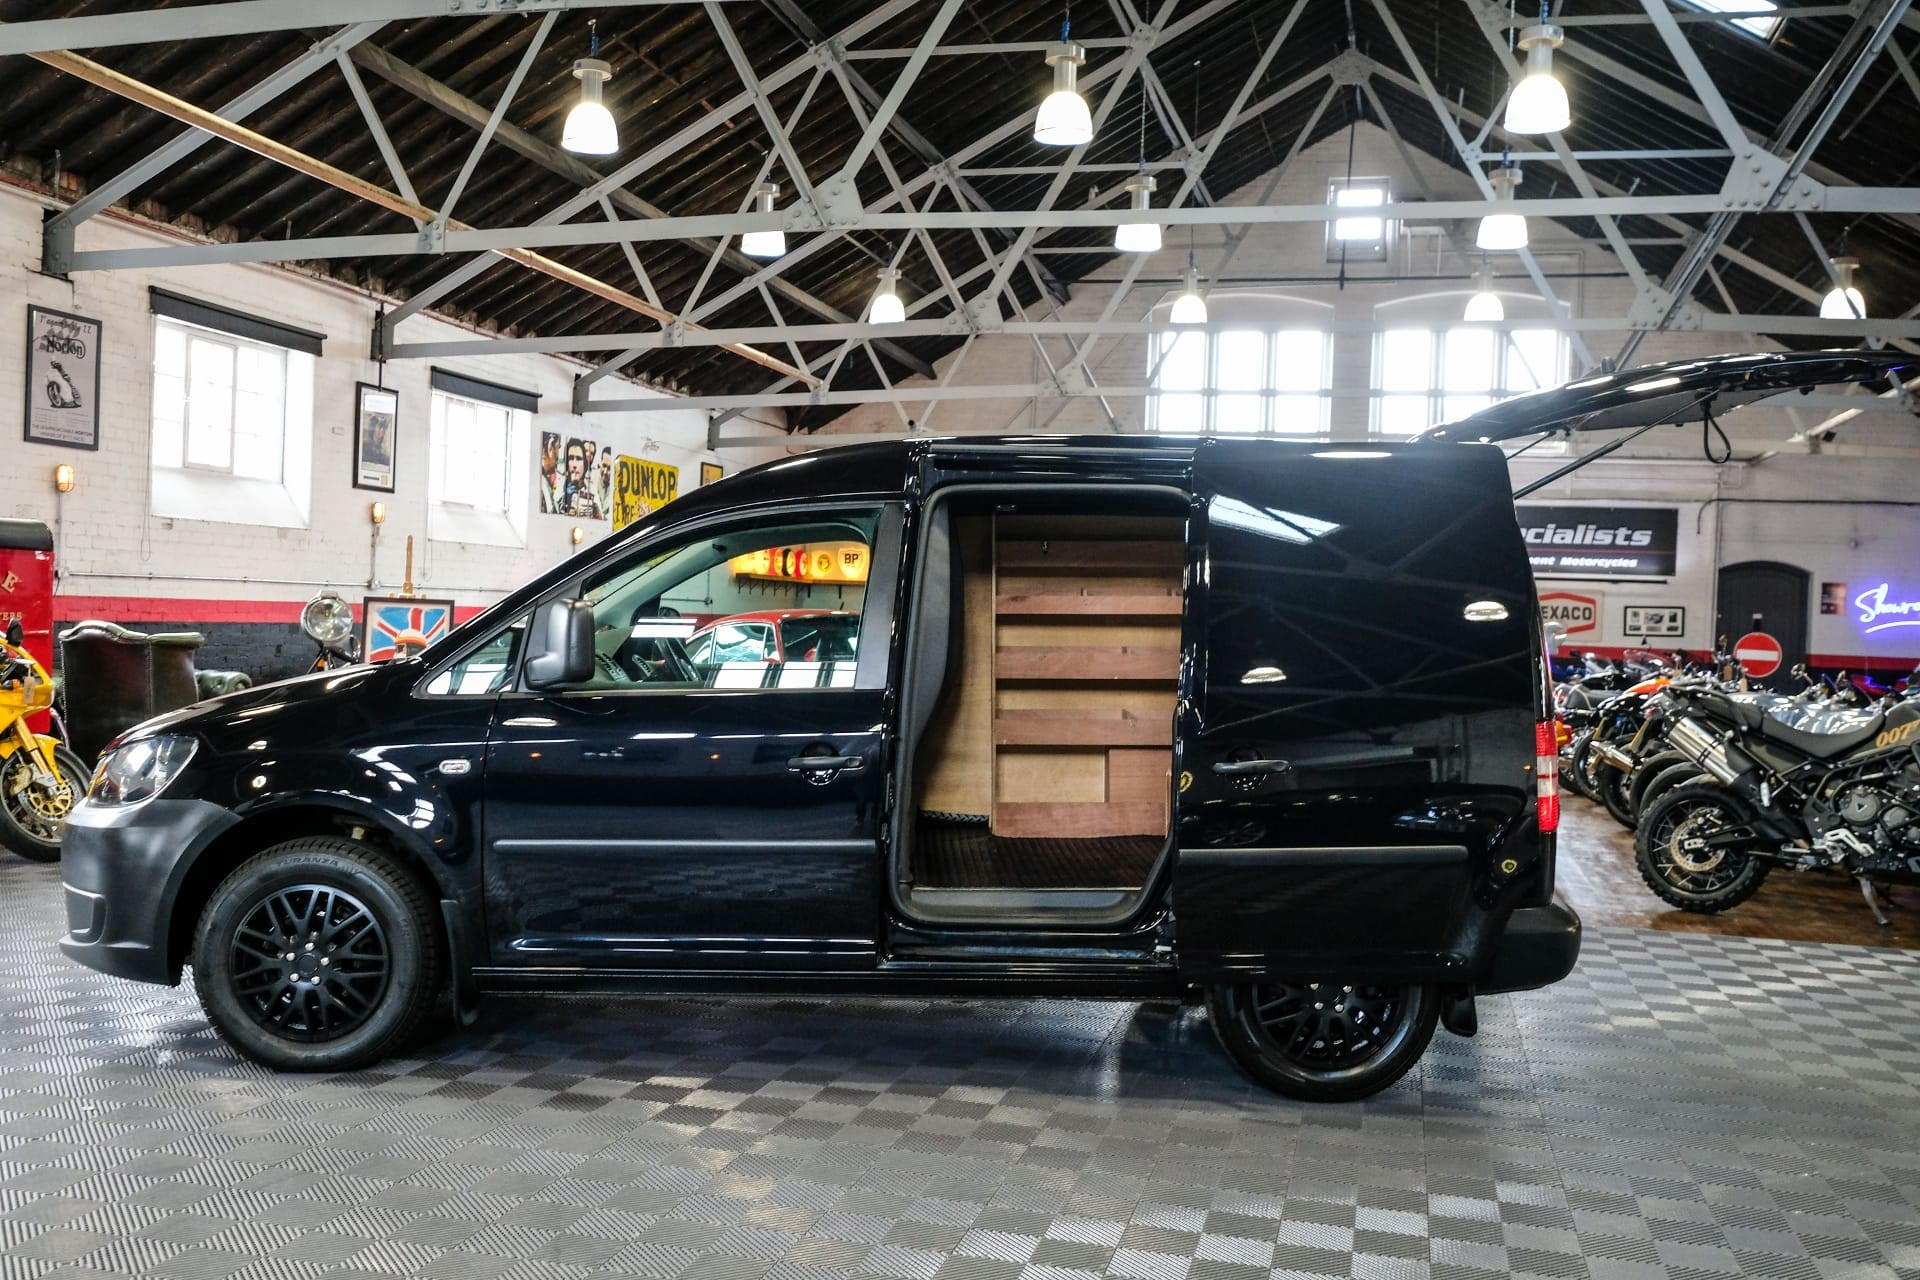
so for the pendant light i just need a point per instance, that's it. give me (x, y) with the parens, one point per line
(1485, 303)
(590, 129)
(887, 307)
(1843, 301)
(1064, 120)
(1503, 230)
(765, 244)
(1139, 237)
(1190, 307)
(1538, 104)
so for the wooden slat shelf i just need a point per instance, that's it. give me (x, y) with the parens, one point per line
(1079, 820)
(1073, 662)
(1085, 605)
(1080, 729)
(1117, 557)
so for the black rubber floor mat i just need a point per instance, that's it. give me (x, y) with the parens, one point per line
(950, 855)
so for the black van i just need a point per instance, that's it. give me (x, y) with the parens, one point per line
(1100, 717)
(1113, 717)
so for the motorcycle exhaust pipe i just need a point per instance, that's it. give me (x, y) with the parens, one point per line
(1610, 754)
(1700, 746)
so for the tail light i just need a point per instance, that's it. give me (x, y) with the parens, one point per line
(1546, 774)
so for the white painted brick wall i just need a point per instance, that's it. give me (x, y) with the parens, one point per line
(110, 546)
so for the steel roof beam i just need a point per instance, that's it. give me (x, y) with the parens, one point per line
(450, 102)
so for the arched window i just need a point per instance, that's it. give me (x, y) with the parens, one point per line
(1262, 368)
(1429, 366)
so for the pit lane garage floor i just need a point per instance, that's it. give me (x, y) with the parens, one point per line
(1683, 1106)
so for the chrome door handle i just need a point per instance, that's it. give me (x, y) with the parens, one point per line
(810, 764)
(1243, 767)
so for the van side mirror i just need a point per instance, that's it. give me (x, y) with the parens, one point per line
(560, 644)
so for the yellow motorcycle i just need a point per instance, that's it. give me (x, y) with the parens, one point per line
(40, 778)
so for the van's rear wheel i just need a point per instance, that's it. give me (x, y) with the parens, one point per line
(1324, 1041)
(317, 955)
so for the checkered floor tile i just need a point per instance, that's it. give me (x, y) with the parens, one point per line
(1683, 1106)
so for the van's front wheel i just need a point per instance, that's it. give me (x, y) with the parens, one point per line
(317, 955)
(1324, 1041)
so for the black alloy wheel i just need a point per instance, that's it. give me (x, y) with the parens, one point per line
(1680, 857)
(319, 954)
(33, 811)
(1324, 1041)
(309, 962)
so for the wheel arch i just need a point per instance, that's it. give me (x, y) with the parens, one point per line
(264, 828)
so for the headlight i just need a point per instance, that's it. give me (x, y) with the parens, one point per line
(141, 770)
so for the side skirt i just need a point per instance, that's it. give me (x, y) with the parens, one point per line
(1144, 982)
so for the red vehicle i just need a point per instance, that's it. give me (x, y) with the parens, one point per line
(779, 635)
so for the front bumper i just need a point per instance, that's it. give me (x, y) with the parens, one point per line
(1538, 948)
(123, 870)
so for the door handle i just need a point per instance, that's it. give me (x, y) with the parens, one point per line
(1244, 767)
(810, 764)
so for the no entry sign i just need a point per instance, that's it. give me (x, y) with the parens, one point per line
(1758, 654)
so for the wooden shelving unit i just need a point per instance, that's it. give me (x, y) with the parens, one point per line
(1086, 652)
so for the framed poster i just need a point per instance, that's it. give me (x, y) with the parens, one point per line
(709, 472)
(376, 424)
(391, 628)
(63, 379)
(1654, 620)
(642, 486)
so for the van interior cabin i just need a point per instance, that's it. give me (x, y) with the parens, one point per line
(1042, 766)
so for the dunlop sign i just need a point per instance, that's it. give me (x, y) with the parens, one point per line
(640, 486)
(1600, 542)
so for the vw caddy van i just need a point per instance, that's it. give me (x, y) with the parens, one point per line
(1254, 723)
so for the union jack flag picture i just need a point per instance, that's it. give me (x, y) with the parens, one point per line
(397, 628)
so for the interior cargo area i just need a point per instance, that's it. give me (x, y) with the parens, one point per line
(1046, 766)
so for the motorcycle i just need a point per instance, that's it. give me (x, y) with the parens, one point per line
(1837, 789)
(41, 779)
(328, 621)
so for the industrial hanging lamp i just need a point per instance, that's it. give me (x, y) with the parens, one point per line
(1190, 307)
(1538, 104)
(765, 244)
(1485, 303)
(1503, 230)
(887, 307)
(1064, 120)
(590, 129)
(1139, 237)
(1844, 301)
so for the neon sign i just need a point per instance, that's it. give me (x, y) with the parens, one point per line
(1877, 613)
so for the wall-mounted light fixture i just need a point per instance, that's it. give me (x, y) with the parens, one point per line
(63, 478)
(377, 513)
(579, 535)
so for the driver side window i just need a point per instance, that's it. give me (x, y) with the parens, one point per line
(708, 610)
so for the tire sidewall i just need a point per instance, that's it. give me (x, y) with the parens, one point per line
(23, 842)
(313, 862)
(1230, 1011)
(1744, 885)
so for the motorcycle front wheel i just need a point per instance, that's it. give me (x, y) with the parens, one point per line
(1677, 860)
(33, 818)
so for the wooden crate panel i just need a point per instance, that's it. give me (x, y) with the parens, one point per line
(1051, 555)
(1032, 776)
(1070, 662)
(1090, 727)
(1079, 821)
(1139, 776)
(1140, 701)
(1087, 604)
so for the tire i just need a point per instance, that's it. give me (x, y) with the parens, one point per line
(1650, 767)
(1614, 787)
(1578, 772)
(33, 820)
(357, 907)
(1326, 1061)
(1702, 881)
(1652, 786)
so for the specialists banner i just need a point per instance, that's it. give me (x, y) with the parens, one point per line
(1600, 542)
